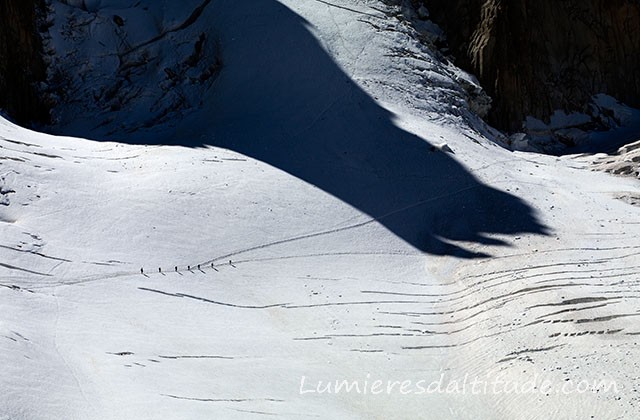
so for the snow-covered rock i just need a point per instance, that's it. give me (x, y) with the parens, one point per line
(122, 66)
(625, 162)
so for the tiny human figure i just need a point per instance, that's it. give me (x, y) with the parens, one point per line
(189, 267)
(211, 265)
(159, 270)
(141, 270)
(176, 267)
(198, 266)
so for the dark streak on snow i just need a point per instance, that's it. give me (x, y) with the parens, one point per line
(121, 353)
(12, 267)
(196, 357)
(21, 143)
(182, 295)
(515, 354)
(237, 400)
(34, 253)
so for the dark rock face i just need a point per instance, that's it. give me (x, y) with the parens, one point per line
(21, 62)
(535, 56)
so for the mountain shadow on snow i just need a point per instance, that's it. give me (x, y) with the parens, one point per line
(281, 99)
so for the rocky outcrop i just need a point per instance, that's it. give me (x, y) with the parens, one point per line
(626, 161)
(21, 62)
(537, 56)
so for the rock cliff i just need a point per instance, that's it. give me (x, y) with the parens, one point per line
(21, 61)
(537, 56)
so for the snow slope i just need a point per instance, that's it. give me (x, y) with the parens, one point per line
(336, 238)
